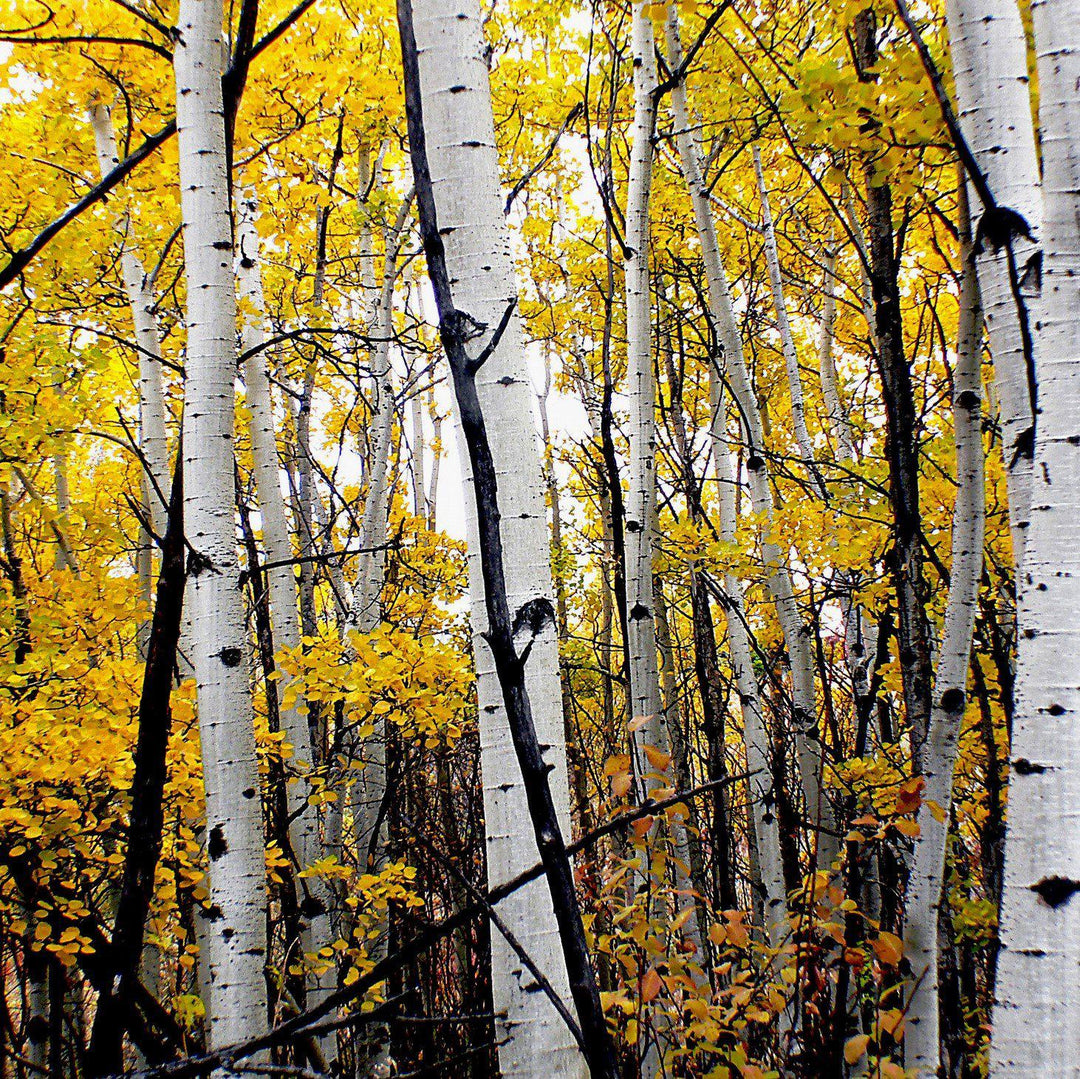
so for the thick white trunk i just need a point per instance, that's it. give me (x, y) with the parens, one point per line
(316, 932)
(1037, 1018)
(641, 495)
(924, 898)
(462, 156)
(989, 60)
(237, 937)
(780, 584)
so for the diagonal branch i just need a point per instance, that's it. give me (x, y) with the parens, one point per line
(22, 258)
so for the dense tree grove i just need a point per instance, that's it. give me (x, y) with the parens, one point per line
(539, 539)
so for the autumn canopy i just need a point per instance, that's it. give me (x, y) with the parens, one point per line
(539, 539)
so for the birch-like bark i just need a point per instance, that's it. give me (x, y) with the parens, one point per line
(640, 528)
(1037, 1018)
(860, 630)
(372, 564)
(461, 153)
(417, 456)
(366, 612)
(646, 707)
(836, 418)
(755, 733)
(237, 938)
(781, 589)
(923, 904)
(436, 459)
(783, 325)
(153, 434)
(315, 906)
(993, 97)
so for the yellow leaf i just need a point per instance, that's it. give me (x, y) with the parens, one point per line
(889, 948)
(617, 764)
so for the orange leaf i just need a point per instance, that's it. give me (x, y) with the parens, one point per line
(909, 796)
(855, 959)
(892, 1022)
(855, 1047)
(620, 784)
(658, 759)
(651, 985)
(736, 931)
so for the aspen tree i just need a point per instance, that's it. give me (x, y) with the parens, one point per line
(993, 98)
(460, 140)
(153, 435)
(315, 906)
(781, 588)
(1036, 1031)
(237, 936)
(922, 906)
(783, 325)
(645, 707)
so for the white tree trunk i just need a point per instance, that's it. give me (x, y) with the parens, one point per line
(780, 584)
(641, 496)
(1037, 1018)
(462, 156)
(153, 435)
(419, 468)
(989, 60)
(860, 631)
(371, 574)
(366, 611)
(237, 937)
(316, 932)
(755, 733)
(838, 425)
(924, 899)
(783, 325)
